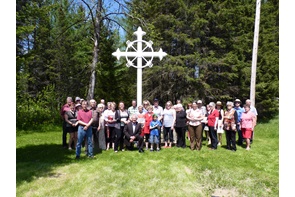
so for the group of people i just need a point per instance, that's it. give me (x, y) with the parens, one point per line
(116, 127)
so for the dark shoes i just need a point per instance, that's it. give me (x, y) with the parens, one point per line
(140, 150)
(77, 158)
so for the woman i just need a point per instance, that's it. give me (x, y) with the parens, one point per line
(180, 125)
(123, 118)
(140, 119)
(195, 116)
(71, 125)
(101, 127)
(169, 117)
(212, 119)
(229, 122)
(146, 103)
(220, 122)
(248, 122)
(148, 117)
(110, 120)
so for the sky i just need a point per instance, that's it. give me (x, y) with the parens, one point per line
(8, 87)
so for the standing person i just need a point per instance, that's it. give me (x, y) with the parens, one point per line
(206, 128)
(107, 130)
(195, 116)
(132, 131)
(77, 100)
(254, 111)
(101, 127)
(220, 122)
(140, 119)
(148, 117)
(146, 103)
(133, 108)
(65, 107)
(154, 128)
(239, 110)
(188, 107)
(230, 120)
(204, 111)
(111, 120)
(180, 125)
(213, 116)
(169, 117)
(84, 118)
(248, 122)
(123, 118)
(157, 109)
(95, 122)
(71, 125)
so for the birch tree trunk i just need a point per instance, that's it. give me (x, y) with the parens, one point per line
(97, 28)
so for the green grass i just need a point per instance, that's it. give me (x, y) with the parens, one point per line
(43, 168)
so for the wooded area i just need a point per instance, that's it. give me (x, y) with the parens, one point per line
(63, 48)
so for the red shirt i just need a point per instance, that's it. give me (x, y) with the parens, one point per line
(84, 116)
(63, 110)
(148, 118)
(212, 118)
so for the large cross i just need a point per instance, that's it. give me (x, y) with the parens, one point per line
(139, 54)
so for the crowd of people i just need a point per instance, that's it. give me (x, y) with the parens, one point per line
(152, 127)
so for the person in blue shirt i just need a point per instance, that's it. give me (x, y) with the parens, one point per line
(239, 111)
(155, 132)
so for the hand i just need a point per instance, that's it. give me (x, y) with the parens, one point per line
(85, 128)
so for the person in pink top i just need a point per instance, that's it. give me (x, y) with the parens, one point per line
(64, 109)
(248, 122)
(85, 119)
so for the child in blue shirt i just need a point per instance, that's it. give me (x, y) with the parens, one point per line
(154, 134)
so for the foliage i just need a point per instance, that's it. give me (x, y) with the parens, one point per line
(210, 50)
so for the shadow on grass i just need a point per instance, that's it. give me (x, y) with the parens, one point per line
(36, 161)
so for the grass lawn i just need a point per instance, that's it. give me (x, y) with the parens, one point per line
(44, 168)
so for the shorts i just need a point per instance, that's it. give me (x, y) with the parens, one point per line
(154, 139)
(247, 133)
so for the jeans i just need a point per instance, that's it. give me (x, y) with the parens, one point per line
(81, 134)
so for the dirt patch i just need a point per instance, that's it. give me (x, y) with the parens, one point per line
(225, 193)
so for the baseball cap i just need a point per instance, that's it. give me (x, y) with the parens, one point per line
(77, 98)
(199, 101)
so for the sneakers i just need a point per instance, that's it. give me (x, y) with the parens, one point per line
(248, 148)
(116, 151)
(70, 148)
(158, 149)
(151, 150)
(219, 144)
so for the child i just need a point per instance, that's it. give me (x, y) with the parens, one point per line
(154, 135)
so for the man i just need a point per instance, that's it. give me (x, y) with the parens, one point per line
(239, 110)
(84, 129)
(252, 109)
(132, 131)
(77, 100)
(95, 122)
(65, 107)
(133, 108)
(204, 112)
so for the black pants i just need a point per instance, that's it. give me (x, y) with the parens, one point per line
(129, 145)
(213, 136)
(111, 139)
(168, 131)
(240, 136)
(64, 134)
(180, 131)
(230, 140)
(118, 138)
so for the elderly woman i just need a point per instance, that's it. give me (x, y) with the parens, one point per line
(195, 116)
(101, 127)
(180, 125)
(220, 122)
(248, 122)
(212, 119)
(230, 120)
(71, 125)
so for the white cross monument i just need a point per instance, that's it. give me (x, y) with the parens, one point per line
(139, 54)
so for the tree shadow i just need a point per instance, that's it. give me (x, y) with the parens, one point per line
(36, 161)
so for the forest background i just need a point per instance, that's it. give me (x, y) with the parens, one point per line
(63, 48)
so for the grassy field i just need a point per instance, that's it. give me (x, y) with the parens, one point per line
(44, 168)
